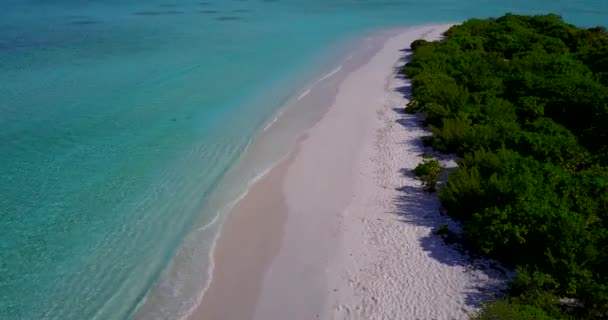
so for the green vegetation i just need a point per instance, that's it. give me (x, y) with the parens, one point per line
(512, 311)
(443, 230)
(428, 172)
(523, 101)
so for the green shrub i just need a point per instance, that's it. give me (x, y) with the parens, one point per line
(505, 310)
(443, 230)
(428, 172)
(417, 43)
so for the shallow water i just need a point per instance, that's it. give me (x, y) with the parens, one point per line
(119, 118)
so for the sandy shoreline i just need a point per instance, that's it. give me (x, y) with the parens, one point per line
(339, 230)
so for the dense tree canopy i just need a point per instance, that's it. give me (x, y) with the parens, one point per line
(523, 101)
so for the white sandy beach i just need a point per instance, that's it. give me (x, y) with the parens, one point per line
(340, 229)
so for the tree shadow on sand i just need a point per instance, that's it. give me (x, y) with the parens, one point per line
(415, 206)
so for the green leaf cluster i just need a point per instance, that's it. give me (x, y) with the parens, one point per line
(523, 102)
(428, 172)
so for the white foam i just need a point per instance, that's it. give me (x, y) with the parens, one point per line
(271, 123)
(304, 94)
(329, 75)
(267, 126)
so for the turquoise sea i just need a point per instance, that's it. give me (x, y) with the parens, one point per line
(119, 119)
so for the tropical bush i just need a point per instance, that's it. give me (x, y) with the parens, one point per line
(428, 172)
(523, 102)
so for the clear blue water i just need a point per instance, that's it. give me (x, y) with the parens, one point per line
(118, 118)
